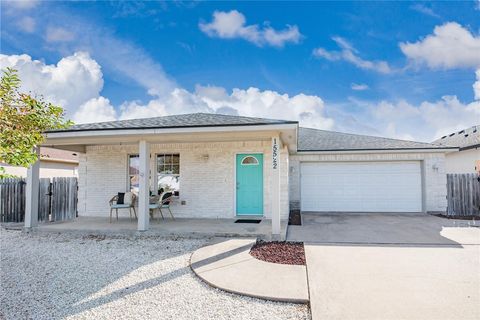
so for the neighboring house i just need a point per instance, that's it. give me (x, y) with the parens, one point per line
(231, 166)
(467, 158)
(53, 163)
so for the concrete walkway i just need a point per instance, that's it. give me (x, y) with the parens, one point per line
(229, 266)
(391, 267)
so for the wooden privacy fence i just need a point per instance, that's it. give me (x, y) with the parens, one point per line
(57, 199)
(463, 194)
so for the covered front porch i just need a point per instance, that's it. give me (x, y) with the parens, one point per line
(183, 227)
(205, 162)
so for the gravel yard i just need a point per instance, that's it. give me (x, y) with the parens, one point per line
(52, 276)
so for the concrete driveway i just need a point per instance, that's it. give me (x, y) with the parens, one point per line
(391, 266)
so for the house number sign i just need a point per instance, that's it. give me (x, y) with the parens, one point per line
(274, 153)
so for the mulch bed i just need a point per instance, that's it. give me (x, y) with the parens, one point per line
(457, 217)
(294, 219)
(279, 252)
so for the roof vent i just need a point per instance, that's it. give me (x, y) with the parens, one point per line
(444, 137)
(460, 132)
(452, 134)
(466, 135)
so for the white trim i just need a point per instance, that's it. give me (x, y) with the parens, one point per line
(235, 185)
(276, 187)
(376, 151)
(143, 213)
(155, 167)
(59, 160)
(423, 170)
(116, 132)
(128, 187)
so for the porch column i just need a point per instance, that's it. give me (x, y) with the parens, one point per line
(275, 188)
(144, 187)
(31, 193)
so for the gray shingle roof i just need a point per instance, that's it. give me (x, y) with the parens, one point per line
(308, 139)
(321, 140)
(464, 139)
(177, 121)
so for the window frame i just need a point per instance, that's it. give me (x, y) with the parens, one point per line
(129, 156)
(256, 163)
(178, 175)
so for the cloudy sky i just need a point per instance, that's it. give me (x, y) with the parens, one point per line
(407, 70)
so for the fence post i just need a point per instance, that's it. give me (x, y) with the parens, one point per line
(31, 200)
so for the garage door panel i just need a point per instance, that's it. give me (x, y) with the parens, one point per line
(361, 186)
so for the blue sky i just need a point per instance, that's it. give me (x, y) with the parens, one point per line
(341, 64)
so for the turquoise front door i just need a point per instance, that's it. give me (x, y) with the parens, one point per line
(249, 184)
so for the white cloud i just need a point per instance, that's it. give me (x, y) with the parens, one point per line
(123, 59)
(120, 57)
(232, 24)
(129, 60)
(27, 24)
(178, 102)
(450, 46)
(72, 82)
(76, 83)
(251, 102)
(476, 86)
(425, 122)
(58, 34)
(22, 4)
(308, 109)
(350, 54)
(425, 10)
(95, 110)
(359, 87)
(279, 38)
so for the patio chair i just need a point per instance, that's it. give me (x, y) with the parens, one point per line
(127, 203)
(163, 203)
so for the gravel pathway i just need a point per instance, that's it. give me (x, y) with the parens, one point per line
(53, 276)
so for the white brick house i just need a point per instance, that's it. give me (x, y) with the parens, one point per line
(236, 167)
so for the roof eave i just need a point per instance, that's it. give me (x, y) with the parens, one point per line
(385, 150)
(59, 160)
(179, 127)
(474, 146)
(187, 129)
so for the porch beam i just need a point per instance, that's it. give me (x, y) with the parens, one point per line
(31, 193)
(144, 185)
(275, 188)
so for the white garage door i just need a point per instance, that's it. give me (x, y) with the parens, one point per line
(361, 186)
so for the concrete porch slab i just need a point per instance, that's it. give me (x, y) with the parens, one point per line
(229, 266)
(168, 227)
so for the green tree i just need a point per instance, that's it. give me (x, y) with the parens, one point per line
(23, 121)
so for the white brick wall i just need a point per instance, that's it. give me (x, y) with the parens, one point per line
(207, 186)
(434, 179)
